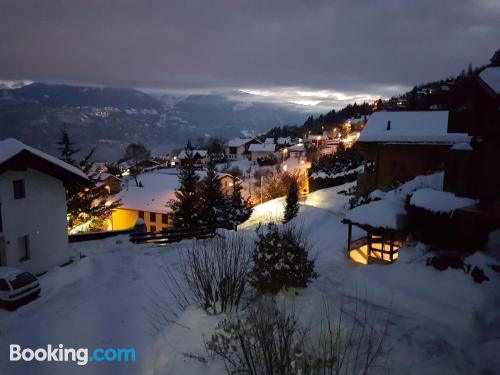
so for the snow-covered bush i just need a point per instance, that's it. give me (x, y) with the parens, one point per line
(216, 271)
(267, 340)
(280, 260)
(261, 341)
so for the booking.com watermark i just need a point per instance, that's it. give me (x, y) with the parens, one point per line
(81, 356)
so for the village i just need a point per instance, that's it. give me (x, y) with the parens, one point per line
(393, 218)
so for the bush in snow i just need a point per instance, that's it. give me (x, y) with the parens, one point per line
(267, 340)
(216, 271)
(280, 260)
(262, 341)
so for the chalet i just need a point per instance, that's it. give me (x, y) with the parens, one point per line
(200, 157)
(237, 149)
(33, 216)
(397, 146)
(109, 182)
(473, 168)
(262, 150)
(149, 202)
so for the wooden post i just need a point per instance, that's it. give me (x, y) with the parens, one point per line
(392, 247)
(349, 235)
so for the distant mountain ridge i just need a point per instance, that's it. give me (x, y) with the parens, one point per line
(111, 118)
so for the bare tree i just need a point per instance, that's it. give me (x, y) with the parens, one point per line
(267, 340)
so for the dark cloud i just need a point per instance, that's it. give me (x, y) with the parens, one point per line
(372, 47)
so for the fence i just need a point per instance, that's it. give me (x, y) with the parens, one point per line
(176, 234)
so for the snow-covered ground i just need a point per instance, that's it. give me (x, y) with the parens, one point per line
(440, 322)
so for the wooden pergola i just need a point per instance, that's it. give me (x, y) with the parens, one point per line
(380, 245)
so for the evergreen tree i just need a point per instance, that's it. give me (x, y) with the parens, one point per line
(186, 206)
(495, 59)
(85, 205)
(238, 209)
(281, 260)
(66, 147)
(292, 201)
(213, 200)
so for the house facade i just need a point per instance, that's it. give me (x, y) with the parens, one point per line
(33, 215)
(263, 150)
(397, 146)
(237, 149)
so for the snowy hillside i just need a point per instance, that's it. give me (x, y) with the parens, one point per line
(439, 322)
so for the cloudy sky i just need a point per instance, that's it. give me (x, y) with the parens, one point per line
(308, 52)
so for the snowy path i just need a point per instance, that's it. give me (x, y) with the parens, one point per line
(102, 300)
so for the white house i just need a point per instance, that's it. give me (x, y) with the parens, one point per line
(261, 150)
(33, 216)
(237, 148)
(200, 157)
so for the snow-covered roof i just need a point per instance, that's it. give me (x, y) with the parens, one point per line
(284, 140)
(269, 141)
(386, 213)
(201, 153)
(297, 147)
(410, 127)
(491, 76)
(462, 146)
(262, 147)
(10, 147)
(238, 142)
(158, 189)
(439, 201)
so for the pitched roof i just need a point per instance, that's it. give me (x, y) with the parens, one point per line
(491, 76)
(237, 142)
(200, 153)
(383, 213)
(158, 189)
(410, 127)
(284, 140)
(262, 147)
(269, 141)
(14, 153)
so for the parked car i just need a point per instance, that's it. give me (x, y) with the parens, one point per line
(17, 287)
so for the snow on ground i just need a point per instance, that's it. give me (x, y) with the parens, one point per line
(439, 322)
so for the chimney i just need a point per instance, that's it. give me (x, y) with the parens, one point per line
(389, 125)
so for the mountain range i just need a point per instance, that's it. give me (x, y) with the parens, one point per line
(111, 118)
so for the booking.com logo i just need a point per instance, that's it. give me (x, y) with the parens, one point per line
(61, 354)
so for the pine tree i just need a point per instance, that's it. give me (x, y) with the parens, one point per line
(238, 208)
(186, 206)
(85, 205)
(281, 260)
(292, 201)
(213, 200)
(66, 147)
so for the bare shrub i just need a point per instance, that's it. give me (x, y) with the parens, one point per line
(216, 271)
(264, 340)
(352, 342)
